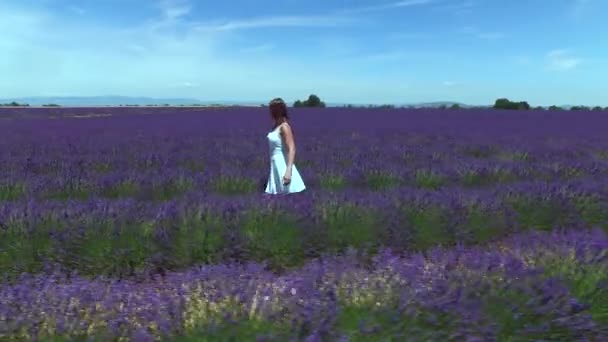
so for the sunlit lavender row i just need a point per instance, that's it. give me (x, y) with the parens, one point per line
(533, 286)
(126, 238)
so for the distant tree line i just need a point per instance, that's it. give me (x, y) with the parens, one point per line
(382, 106)
(501, 103)
(392, 106)
(596, 108)
(314, 101)
(452, 107)
(504, 103)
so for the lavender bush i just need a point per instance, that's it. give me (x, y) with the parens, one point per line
(89, 236)
(144, 224)
(529, 286)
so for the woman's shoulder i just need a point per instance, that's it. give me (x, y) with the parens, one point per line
(283, 126)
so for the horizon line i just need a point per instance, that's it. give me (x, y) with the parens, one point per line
(247, 103)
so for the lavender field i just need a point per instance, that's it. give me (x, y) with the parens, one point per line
(150, 224)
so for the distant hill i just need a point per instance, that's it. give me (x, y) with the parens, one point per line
(81, 101)
(96, 101)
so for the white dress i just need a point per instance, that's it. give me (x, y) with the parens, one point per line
(278, 165)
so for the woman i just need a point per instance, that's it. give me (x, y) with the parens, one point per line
(284, 177)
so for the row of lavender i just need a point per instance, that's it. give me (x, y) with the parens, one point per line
(164, 156)
(165, 183)
(20, 113)
(238, 131)
(133, 238)
(533, 286)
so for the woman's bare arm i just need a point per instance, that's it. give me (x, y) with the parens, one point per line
(290, 143)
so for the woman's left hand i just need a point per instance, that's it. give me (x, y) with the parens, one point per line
(287, 177)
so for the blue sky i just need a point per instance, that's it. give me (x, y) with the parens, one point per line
(360, 51)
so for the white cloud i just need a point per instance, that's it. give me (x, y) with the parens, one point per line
(174, 9)
(45, 52)
(176, 12)
(279, 21)
(406, 3)
(397, 4)
(460, 8)
(561, 60)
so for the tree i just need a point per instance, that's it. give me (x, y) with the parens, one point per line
(455, 106)
(312, 101)
(504, 103)
(555, 108)
(539, 108)
(597, 109)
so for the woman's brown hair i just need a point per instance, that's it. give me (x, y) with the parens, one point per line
(278, 109)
